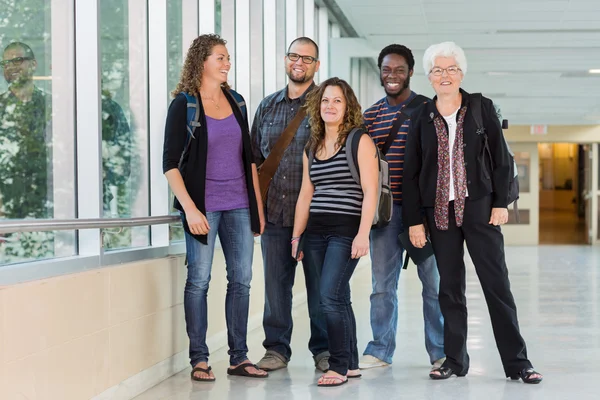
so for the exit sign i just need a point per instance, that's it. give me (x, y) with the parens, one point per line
(539, 129)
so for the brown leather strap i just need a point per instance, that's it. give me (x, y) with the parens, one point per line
(267, 169)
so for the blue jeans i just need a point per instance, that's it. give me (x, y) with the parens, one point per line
(280, 272)
(237, 241)
(333, 255)
(386, 262)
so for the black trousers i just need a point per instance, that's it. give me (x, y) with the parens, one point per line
(486, 247)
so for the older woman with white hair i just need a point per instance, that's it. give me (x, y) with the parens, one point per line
(445, 173)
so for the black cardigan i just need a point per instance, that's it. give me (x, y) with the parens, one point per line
(421, 160)
(193, 168)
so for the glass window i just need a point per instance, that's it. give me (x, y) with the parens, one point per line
(175, 63)
(218, 17)
(523, 161)
(37, 126)
(123, 55)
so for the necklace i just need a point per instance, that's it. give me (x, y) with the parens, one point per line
(216, 104)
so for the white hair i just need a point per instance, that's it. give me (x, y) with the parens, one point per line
(445, 49)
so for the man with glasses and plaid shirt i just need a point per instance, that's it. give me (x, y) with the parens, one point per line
(273, 115)
(25, 189)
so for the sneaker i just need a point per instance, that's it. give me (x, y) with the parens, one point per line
(272, 361)
(323, 364)
(368, 361)
(438, 363)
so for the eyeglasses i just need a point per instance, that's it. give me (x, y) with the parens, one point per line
(305, 59)
(450, 70)
(14, 61)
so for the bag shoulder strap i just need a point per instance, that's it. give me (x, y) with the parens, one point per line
(352, 142)
(239, 100)
(274, 158)
(475, 102)
(403, 115)
(192, 122)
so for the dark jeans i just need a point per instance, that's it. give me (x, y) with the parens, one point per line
(280, 272)
(333, 255)
(237, 241)
(486, 247)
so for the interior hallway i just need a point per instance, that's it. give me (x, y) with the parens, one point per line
(557, 290)
(561, 227)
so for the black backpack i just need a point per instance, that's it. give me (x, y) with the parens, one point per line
(487, 161)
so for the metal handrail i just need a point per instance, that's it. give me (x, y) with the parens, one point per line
(41, 225)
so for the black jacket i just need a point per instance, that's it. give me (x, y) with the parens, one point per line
(193, 168)
(421, 160)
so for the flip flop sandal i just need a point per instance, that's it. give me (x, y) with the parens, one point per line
(203, 370)
(353, 376)
(241, 370)
(337, 378)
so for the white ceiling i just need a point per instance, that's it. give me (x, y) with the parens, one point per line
(531, 57)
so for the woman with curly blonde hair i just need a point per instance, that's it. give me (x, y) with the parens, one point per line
(211, 171)
(334, 214)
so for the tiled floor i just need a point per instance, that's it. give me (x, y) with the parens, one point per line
(557, 290)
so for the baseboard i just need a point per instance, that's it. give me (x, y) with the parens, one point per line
(148, 378)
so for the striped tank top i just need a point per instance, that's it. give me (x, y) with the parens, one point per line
(336, 205)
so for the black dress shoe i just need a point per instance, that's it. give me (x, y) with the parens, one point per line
(444, 373)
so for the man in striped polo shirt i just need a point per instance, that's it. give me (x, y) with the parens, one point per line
(396, 64)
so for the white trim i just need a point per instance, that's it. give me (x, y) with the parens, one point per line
(206, 16)
(89, 146)
(158, 92)
(63, 124)
(270, 46)
(323, 42)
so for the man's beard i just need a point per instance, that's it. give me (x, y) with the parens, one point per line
(405, 86)
(304, 79)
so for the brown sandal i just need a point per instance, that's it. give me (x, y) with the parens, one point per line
(204, 370)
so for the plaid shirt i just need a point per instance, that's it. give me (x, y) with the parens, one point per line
(273, 115)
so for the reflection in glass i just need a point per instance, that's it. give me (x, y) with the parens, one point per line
(27, 185)
(124, 115)
(218, 17)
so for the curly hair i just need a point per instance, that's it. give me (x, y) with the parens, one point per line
(399, 49)
(191, 74)
(353, 117)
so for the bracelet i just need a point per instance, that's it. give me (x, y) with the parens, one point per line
(295, 239)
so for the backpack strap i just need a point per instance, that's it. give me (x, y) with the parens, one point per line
(240, 103)
(404, 114)
(352, 142)
(192, 122)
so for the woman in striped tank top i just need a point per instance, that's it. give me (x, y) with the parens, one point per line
(334, 213)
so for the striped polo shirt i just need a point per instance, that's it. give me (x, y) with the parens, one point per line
(337, 200)
(379, 119)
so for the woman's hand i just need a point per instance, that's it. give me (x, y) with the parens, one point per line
(360, 245)
(499, 216)
(197, 222)
(295, 245)
(417, 236)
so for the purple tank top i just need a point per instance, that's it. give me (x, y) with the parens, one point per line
(225, 176)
